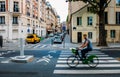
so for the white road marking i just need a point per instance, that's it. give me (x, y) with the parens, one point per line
(36, 46)
(82, 65)
(44, 59)
(109, 64)
(105, 58)
(52, 51)
(111, 71)
(100, 61)
(88, 55)
(4, 61)
(43, 46)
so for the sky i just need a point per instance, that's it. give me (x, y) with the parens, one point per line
(61, 7)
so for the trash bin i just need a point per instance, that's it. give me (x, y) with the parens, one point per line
(1, 41)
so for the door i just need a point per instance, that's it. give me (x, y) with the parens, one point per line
(79, 37)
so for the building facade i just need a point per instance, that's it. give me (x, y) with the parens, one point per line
(81, 21)
(51, 18)
(21, 17)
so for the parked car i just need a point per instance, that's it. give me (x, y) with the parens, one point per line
(51, 35)
(62, 35)
(32, 38)
(57, 39)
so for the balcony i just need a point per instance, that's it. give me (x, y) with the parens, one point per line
(2, 9)
(28, 13)
(16, 12)
(15, 22)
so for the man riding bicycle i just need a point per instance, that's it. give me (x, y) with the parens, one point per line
(85, 47)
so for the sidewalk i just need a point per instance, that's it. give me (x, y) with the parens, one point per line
(10, 46)
(13, 46)
(112, 46)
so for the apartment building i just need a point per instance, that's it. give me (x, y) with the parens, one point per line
(51, 18)
(21, 17)
(81, 21)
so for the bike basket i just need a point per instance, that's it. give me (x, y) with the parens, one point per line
(74, 51)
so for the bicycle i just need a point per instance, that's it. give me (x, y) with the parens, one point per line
(73, 60)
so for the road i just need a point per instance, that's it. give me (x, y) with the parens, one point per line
(50, 61)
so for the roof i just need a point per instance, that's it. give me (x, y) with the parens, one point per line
(80, 9)
(77, 11)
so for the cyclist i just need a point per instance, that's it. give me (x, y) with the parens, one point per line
(85, 47)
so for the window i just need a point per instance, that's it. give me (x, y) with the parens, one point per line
(90, 35)
(117, 2)
(2, 19)
(16, 7)
(106, 17)
(2, 6)
(117, 17)
(15, 20)
(90, 21)
(79, 20)
(112, 33)
(89, 9)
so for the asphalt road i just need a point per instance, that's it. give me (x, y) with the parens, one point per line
(47, 62)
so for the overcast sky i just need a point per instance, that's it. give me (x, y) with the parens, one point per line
(61, 7)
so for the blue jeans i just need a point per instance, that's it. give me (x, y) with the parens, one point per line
(84, 51)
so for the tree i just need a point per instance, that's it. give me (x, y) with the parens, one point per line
(98, 7)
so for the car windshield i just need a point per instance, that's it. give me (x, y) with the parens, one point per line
(57, 37)
(30, 36)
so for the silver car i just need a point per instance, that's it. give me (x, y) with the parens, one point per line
(57, 39)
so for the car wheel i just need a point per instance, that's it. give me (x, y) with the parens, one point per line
(35, 42)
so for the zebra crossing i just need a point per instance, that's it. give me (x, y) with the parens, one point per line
(37, 46)
(107, 65)
(42, 46)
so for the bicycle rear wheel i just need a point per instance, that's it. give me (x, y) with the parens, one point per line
(93, 61)
(72, 61)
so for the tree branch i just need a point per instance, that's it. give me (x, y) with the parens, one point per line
(107, 2)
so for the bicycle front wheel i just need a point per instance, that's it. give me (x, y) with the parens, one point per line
(93, 61)
(72, 61)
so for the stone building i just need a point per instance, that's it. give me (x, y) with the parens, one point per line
(81, 21)
(21, 17)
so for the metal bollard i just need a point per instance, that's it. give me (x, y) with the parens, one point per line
(21, 47)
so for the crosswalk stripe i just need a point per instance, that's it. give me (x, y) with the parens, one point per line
(43, 46)
(100, 61)
(87, 71)
(107, 65)
(100, 65)
(105, 58)
(88, 55)
(36, 46)
(79, 51)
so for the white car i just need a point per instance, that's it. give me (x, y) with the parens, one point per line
(57, 39)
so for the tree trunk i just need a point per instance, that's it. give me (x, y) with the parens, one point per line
(102, 31)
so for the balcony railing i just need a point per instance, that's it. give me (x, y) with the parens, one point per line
(16, 9)
(28, 13)
(2, 22)
(2, 9)
(15, 22)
